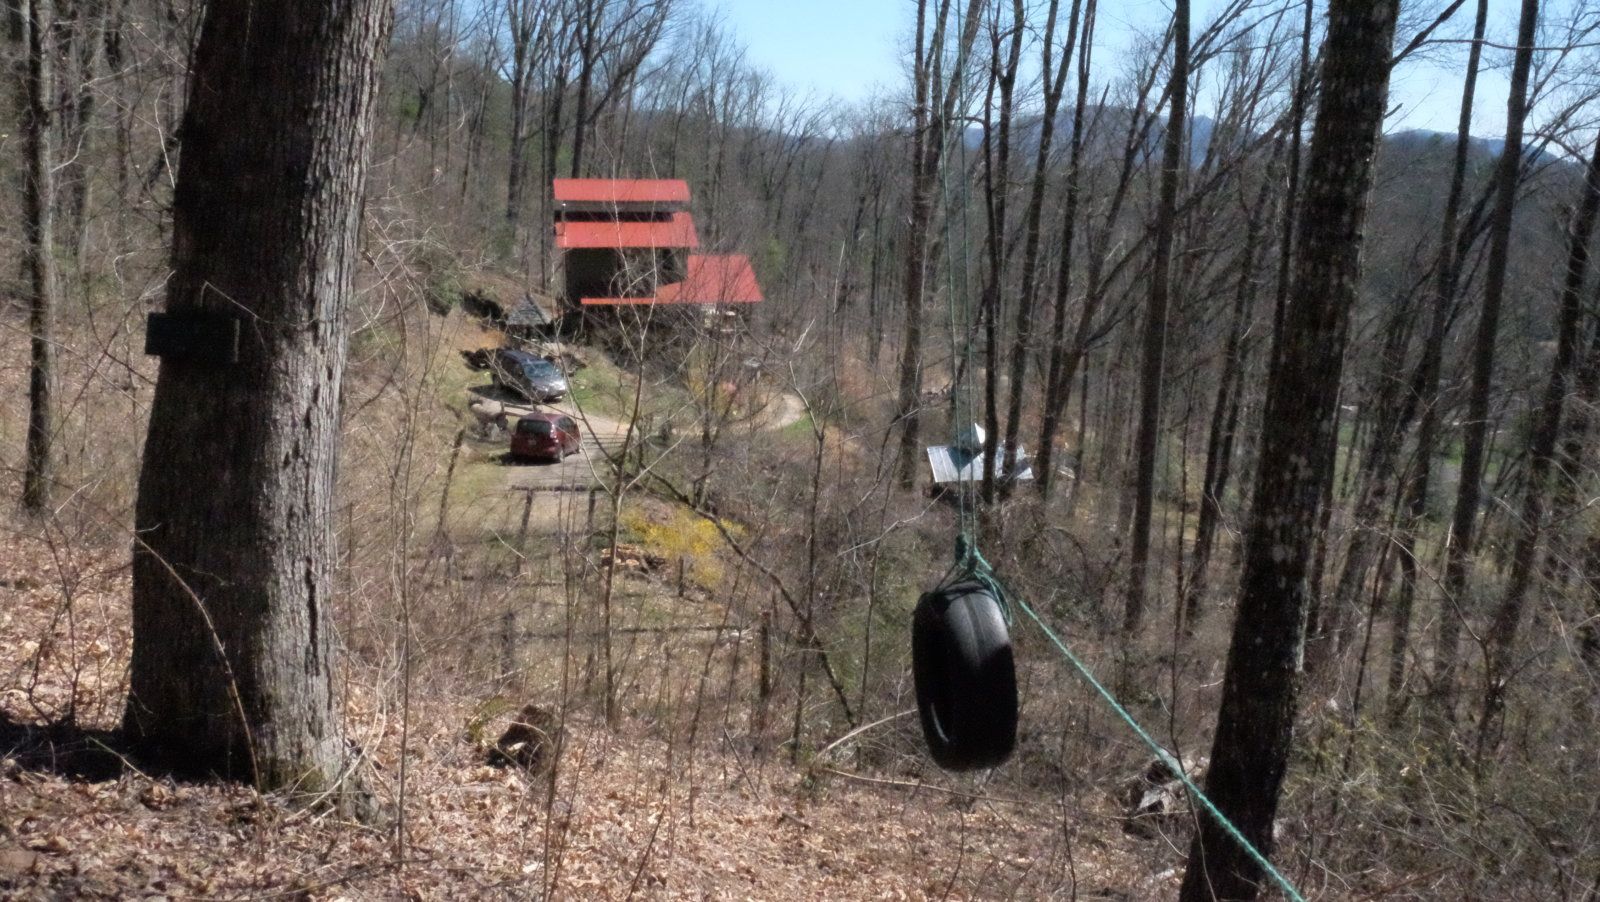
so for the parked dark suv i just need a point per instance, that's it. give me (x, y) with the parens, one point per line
(528, 375)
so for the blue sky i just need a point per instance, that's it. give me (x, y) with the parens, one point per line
(851, 48)
(843, 48)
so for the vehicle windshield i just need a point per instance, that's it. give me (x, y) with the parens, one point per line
(535, 427)
(542, 368)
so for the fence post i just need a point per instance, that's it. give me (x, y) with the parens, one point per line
(764, 683)
(522, 532)
(508, 643)
(449, 474)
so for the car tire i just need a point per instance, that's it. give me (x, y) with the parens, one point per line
(965, 677)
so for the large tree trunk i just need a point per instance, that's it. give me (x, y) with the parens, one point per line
(593, 11)
(1155, 322)
(1469, 490)
(517, 164)
(1255, 726)
(38, 25)
(233, 647)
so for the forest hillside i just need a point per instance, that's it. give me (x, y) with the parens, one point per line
(524, 449)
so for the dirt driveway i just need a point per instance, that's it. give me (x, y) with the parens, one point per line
(602, 436)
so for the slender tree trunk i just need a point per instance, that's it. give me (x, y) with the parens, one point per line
(593, 10)
(1055, 76)
(1425, 393)
(1064, 361)
(39, 204)
(1255, 726)
(1155, 324)
(1459, 554)
(1541, 450)
(997, 181)
(1330, 633)
(232, 668)
(917, 249)
(1291, 194)
(517, 166)
(933, 110)
(81, 58)
(1225, 412)
(1096, 284)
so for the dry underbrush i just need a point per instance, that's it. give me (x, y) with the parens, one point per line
(654, 807)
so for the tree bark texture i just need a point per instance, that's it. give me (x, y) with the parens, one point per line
(997, 193)
(1255, 725)
(233, 646)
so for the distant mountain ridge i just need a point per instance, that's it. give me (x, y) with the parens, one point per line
(1112, 126)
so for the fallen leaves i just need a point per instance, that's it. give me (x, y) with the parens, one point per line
(632, 811)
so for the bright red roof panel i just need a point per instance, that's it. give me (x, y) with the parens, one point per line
(668, 233)
(621, 191)
(721, 279)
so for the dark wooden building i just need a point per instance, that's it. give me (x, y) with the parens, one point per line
(633, 241)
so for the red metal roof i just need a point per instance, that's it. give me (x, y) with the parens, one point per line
(622, 191)
(711, 279)
(669, 233)
(720, 279)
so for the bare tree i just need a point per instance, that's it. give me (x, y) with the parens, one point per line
(1054, 76)
(1063, 362)
(1425, 385)
(933, 108)
(1255, 726)
(1469, 490)
(1155, 322)
(996, 203)
(530, 29)
(38, 83)
(1508, 614)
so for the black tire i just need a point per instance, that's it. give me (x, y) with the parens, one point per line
(966, 677)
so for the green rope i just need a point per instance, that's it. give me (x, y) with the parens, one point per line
(1166, 757)
(969, 563)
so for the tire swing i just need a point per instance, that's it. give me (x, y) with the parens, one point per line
(961, 658)
(962, 664)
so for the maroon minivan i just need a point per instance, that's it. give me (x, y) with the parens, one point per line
(545, 436)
